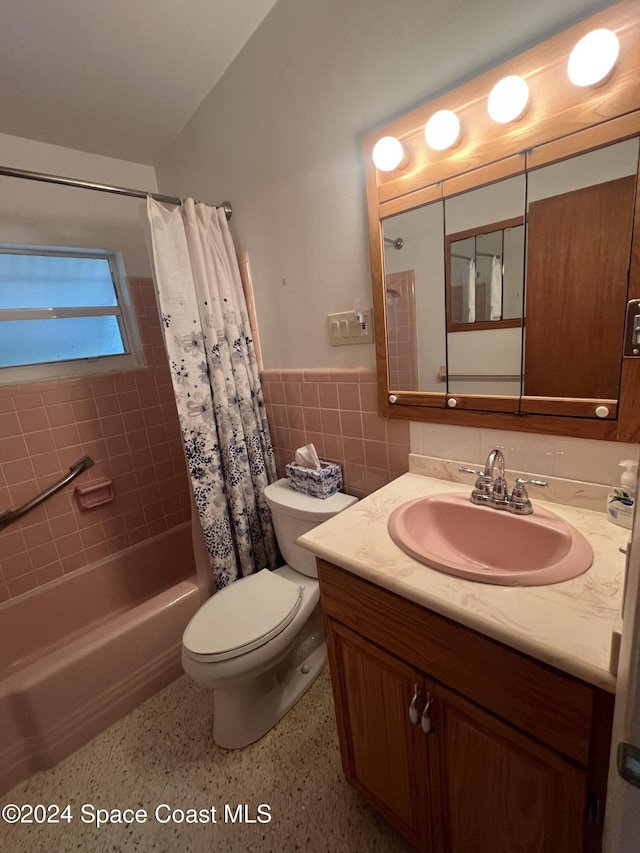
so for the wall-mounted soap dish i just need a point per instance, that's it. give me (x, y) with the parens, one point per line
(95, 494)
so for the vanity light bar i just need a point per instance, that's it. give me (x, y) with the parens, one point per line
(508, 100)
(442, 131)
(590, 63)
(388, 154)
(593, 58)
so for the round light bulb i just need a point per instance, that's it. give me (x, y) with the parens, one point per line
(388, 154)
(508, 99)
(592, 59)
(442, 130)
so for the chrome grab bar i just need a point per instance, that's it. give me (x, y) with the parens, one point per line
(11, 515)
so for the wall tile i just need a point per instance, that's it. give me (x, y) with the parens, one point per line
(339, 409)
(451, 442)
(127, 423)
(592, 461)
(554, 456)
(526, 452)
(328, 393)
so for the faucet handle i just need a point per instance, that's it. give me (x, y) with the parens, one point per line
(521, 482)
(519, 501)
(482, 489)
(471, 471)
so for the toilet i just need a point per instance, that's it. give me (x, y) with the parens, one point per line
(259, 642)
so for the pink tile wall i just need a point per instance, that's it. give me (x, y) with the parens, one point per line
(338, 412)
(127, 423)
(401, 330)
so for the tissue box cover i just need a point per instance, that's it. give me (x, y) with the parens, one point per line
(319, 484)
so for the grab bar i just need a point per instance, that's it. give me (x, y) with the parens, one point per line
(11, 515)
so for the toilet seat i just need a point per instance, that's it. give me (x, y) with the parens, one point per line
(242, 616)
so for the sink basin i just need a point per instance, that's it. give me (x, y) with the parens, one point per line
(449, 533)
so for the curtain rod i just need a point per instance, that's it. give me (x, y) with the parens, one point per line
(9, 172)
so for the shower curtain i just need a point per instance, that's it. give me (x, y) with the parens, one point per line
(216, 385)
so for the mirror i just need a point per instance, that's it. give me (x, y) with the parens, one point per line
(455, 275)
(491, 256)
(414, 298)
(484, 351)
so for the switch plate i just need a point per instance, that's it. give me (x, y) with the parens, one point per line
(344, 330)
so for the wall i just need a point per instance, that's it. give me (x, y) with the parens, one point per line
(52, 215)
(548, 455)
(280, 136)
(125, 421)
(337, 412)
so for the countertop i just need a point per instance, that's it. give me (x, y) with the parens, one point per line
(568, 625)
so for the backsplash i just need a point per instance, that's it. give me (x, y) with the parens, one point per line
(580, 459)
(337, 411)
(127, 423)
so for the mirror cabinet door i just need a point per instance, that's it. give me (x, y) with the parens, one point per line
(414, 300)
(484, 251)
(579, 229)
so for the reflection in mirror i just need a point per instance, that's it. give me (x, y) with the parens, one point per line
(414, 298)
(484, 276)
(484, 246)
(579, 219)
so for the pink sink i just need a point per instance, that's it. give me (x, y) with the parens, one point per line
(449, 533)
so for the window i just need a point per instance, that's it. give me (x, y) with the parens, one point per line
(63, 312)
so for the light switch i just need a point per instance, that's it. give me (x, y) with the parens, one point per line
(344, 329)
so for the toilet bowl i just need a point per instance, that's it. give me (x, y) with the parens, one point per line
(259, 643)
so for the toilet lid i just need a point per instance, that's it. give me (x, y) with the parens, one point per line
(243, 616)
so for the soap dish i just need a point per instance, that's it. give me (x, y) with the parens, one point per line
(95, 493)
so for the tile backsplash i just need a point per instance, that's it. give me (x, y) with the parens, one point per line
(127, 422)
(554, 456)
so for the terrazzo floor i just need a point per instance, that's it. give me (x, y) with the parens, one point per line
(163, 753)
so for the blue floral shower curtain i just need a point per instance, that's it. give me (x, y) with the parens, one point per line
(216, 385)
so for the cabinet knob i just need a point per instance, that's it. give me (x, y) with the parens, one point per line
(602, 411)
(393, 398)
(452, 402)
(414, 715)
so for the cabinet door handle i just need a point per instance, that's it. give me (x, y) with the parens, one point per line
(414, 715)
(425, 719)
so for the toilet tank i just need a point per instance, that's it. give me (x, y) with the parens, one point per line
(294, 513)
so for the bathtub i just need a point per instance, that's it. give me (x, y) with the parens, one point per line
(82, 651)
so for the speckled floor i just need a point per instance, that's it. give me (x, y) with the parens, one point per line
(163, 754)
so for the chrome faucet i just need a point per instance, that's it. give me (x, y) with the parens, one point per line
(491, 488)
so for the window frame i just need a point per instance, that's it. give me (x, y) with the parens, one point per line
(131, 359)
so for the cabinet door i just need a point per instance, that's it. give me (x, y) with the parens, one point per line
(384, 754)
(501, 790)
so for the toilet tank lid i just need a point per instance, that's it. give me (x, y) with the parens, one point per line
(288, 501)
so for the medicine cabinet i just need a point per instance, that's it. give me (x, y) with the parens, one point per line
(502, 267)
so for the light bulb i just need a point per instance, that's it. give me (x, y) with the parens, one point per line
(508, 99)
(388, 154)
(442, 130)
(592, 59)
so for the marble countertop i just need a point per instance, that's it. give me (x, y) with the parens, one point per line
(567, 625)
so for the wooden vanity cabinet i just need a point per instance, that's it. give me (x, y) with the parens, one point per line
(517, 753)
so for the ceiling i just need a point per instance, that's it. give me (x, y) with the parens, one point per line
(115, 77)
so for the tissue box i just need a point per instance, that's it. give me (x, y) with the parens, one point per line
(319, 484)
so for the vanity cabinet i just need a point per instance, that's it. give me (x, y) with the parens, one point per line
(510, 756)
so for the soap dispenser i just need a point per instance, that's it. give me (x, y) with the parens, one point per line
(621, 500)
